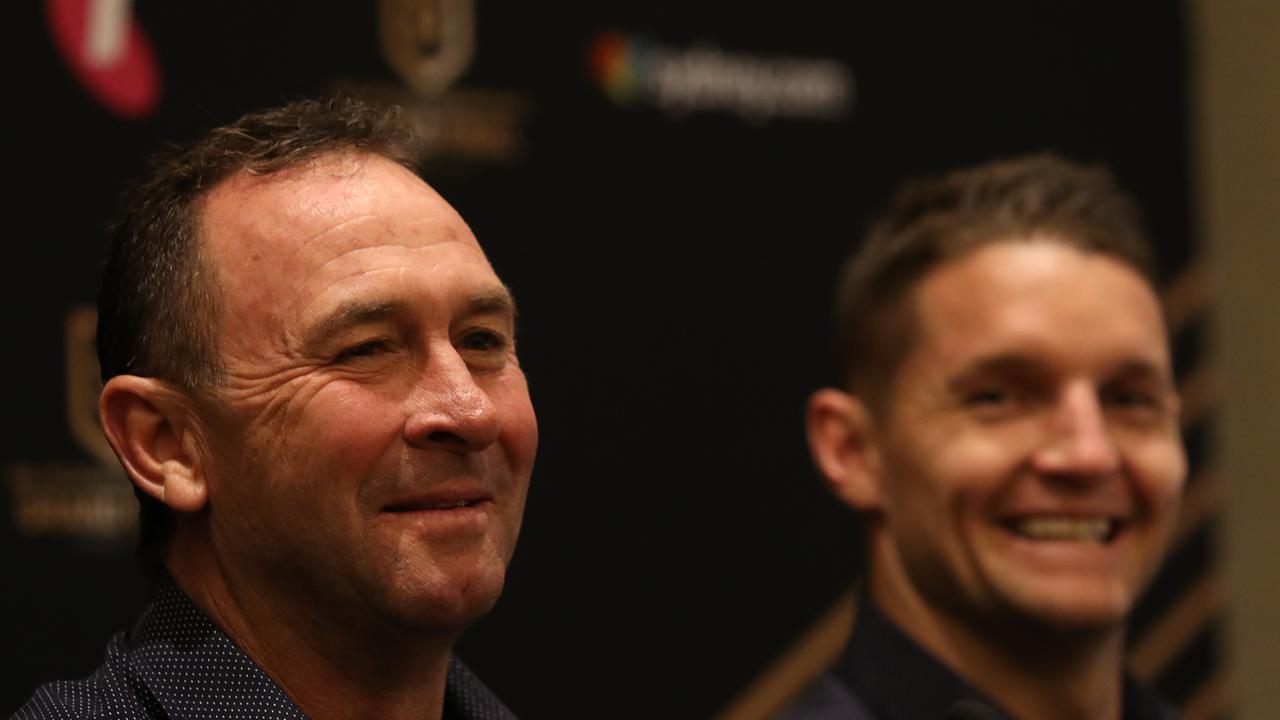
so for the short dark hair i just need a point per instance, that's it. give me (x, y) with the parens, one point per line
(160, 299)
(937, 219)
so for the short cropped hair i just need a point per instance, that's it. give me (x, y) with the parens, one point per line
(938, 219)
(159, 305)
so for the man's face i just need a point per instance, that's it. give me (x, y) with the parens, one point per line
(370, 452)
(1031, 456)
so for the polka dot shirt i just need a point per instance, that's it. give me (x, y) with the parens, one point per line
(177, 664)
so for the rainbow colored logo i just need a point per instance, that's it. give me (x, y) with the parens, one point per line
(617, 64)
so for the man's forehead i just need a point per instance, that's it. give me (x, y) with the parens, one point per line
(324, 208)
(284, 245)
(995, 299)
(320, 191)
(1000, 272)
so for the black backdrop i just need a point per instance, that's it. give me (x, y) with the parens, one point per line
(673, 262)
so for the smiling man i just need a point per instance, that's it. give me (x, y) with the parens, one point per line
(311, 379)
(1008, 430)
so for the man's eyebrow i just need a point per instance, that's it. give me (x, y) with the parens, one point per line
(1002, 364)
(1022, 366)
(1144, 369)
(495, 301)
(347, 315)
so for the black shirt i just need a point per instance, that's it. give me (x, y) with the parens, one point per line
(177, 664)
(885, 675)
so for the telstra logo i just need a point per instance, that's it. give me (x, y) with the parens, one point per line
(685, 80)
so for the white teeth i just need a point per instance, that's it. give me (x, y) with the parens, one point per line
(1065, 528)
(446, 506)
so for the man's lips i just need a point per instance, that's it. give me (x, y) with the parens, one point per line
(441, 514)
(439, 501)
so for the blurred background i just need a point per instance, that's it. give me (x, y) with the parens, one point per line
(669, 188)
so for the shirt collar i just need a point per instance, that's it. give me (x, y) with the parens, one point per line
(193, 669)
(900, 680)
(895, 676)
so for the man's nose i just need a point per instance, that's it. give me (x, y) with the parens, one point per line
(1078, 441)
(448, 409)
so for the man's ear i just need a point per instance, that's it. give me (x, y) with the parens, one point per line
(150, 425)
(844, 445)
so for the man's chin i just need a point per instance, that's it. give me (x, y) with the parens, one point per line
(444, 601)
(1062, 590)
(1074, 609)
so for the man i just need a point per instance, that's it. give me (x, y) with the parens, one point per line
(311, 379)
(1009, 433)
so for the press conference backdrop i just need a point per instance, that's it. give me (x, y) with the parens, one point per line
(668, 187)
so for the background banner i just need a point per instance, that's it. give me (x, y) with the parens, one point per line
(669, 188)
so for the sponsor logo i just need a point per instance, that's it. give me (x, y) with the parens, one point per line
(430, 44)
(72, 501)
(86, 500)
(107, 52)
(616, 63)
(632, 70)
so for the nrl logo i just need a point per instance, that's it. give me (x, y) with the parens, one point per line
(84, 385)
(68, 499)
(430, 44)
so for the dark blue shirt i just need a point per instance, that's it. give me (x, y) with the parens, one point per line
(885, 675)
(177, 664)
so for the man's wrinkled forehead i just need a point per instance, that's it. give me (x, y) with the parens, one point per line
(297, 220)
(284, 246)
(304, 201)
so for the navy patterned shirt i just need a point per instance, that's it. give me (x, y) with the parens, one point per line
(177, 664)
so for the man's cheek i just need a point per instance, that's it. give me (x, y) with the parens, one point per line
(1161, 472)
(340, 436)
(519, 426)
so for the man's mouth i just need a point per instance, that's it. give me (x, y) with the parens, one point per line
(430, 504)
(1063, 528)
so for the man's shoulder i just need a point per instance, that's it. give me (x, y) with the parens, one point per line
(1141, 702)
(173, 663)
(828, 698)
(108, 692)
(177, 663)
(467, 698)
(69, 700)
(61, 699)
(882, 672)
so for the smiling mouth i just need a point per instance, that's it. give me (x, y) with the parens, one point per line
(1062, 528)
(432, 506)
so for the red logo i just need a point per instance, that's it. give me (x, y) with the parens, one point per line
(103, 44)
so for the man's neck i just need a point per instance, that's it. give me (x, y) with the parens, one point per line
(1032, 672)
(332, 667)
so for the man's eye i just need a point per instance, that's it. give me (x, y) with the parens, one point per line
(1134, 399)
(999, 402)
(367, 348)
(987, 397)
(483, 341)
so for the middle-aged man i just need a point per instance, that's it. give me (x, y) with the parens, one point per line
(1008, 430)
(311, 380)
